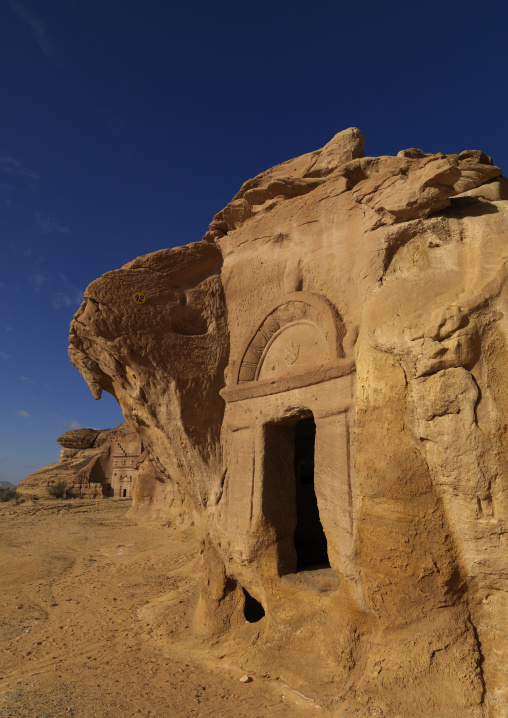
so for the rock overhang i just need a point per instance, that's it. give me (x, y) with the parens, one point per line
(408, 253)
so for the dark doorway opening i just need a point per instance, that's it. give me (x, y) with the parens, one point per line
(124, 493)
(310, 540)
(252, 610)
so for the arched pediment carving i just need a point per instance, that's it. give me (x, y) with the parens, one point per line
(296, 334)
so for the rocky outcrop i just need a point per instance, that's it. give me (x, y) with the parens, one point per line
(88, 464)
(323, 380)
(110, 463)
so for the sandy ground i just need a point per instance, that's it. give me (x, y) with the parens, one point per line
(84, 592)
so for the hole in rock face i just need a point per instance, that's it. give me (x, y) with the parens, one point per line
(310, 540)
(253, 610)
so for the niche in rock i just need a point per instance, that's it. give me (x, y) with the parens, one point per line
(253, 610)
(187, 320)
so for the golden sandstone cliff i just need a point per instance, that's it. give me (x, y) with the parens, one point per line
(323, 382)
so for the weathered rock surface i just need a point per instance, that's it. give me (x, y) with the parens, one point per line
(361, 301)
(79, 438)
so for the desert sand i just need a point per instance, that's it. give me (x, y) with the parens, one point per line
(95, 620)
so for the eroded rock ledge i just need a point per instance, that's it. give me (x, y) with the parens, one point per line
(324, 380)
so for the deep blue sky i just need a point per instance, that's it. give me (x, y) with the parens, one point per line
(126, 125)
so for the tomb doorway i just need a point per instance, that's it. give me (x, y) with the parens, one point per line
(309, 537)
(290, 503)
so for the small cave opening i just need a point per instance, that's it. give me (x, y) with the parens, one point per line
(310, 540)
(252, 610)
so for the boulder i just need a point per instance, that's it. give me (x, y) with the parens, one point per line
(78, 438)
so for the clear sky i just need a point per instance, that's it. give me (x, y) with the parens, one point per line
(126, 125)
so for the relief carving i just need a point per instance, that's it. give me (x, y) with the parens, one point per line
(292, 352)
(296, 335)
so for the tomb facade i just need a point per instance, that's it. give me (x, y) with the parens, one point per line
(125, 459)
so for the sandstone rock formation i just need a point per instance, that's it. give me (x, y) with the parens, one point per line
(92, 463)
(109, 463)
(324, 380)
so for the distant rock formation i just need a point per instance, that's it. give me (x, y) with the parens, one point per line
(92, 463)
(109, 463)
(324, 378)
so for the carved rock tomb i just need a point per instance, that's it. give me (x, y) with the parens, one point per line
(323, 379)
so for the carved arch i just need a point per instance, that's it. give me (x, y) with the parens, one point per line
(296, 334)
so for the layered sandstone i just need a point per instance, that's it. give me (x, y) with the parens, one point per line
(340, 336)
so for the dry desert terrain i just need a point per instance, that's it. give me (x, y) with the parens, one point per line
(95, 622)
